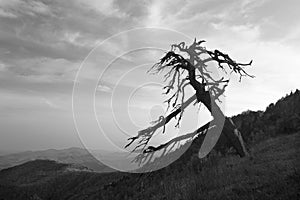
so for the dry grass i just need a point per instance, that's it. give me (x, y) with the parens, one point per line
(272, 172)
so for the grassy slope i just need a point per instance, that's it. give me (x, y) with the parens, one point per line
(271, 173)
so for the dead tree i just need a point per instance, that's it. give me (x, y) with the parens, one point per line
(187, 66)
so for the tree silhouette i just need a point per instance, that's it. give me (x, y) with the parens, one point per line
(187, 66)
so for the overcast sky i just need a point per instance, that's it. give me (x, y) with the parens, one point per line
(43, 44)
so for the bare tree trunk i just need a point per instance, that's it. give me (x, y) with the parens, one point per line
(229, 129)
(234, 137)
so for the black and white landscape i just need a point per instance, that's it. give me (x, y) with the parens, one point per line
(153, 99)
(272, 171)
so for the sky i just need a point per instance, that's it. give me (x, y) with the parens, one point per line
(47, 46)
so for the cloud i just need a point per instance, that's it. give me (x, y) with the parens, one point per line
(5, 13)
(49, 69)
(2, 67)
(31, 102)
(50, 103)
(20, 7)
(135, 9)
(57, 29)
(104, 88)
(46, 77)
(105, 7)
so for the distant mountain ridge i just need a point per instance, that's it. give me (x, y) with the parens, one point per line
(72, 155)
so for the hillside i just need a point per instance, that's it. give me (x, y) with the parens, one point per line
(282, 117)
(272, 173)
(49, 180)
(72, 155)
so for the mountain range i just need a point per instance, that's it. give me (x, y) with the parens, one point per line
(73, 155)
